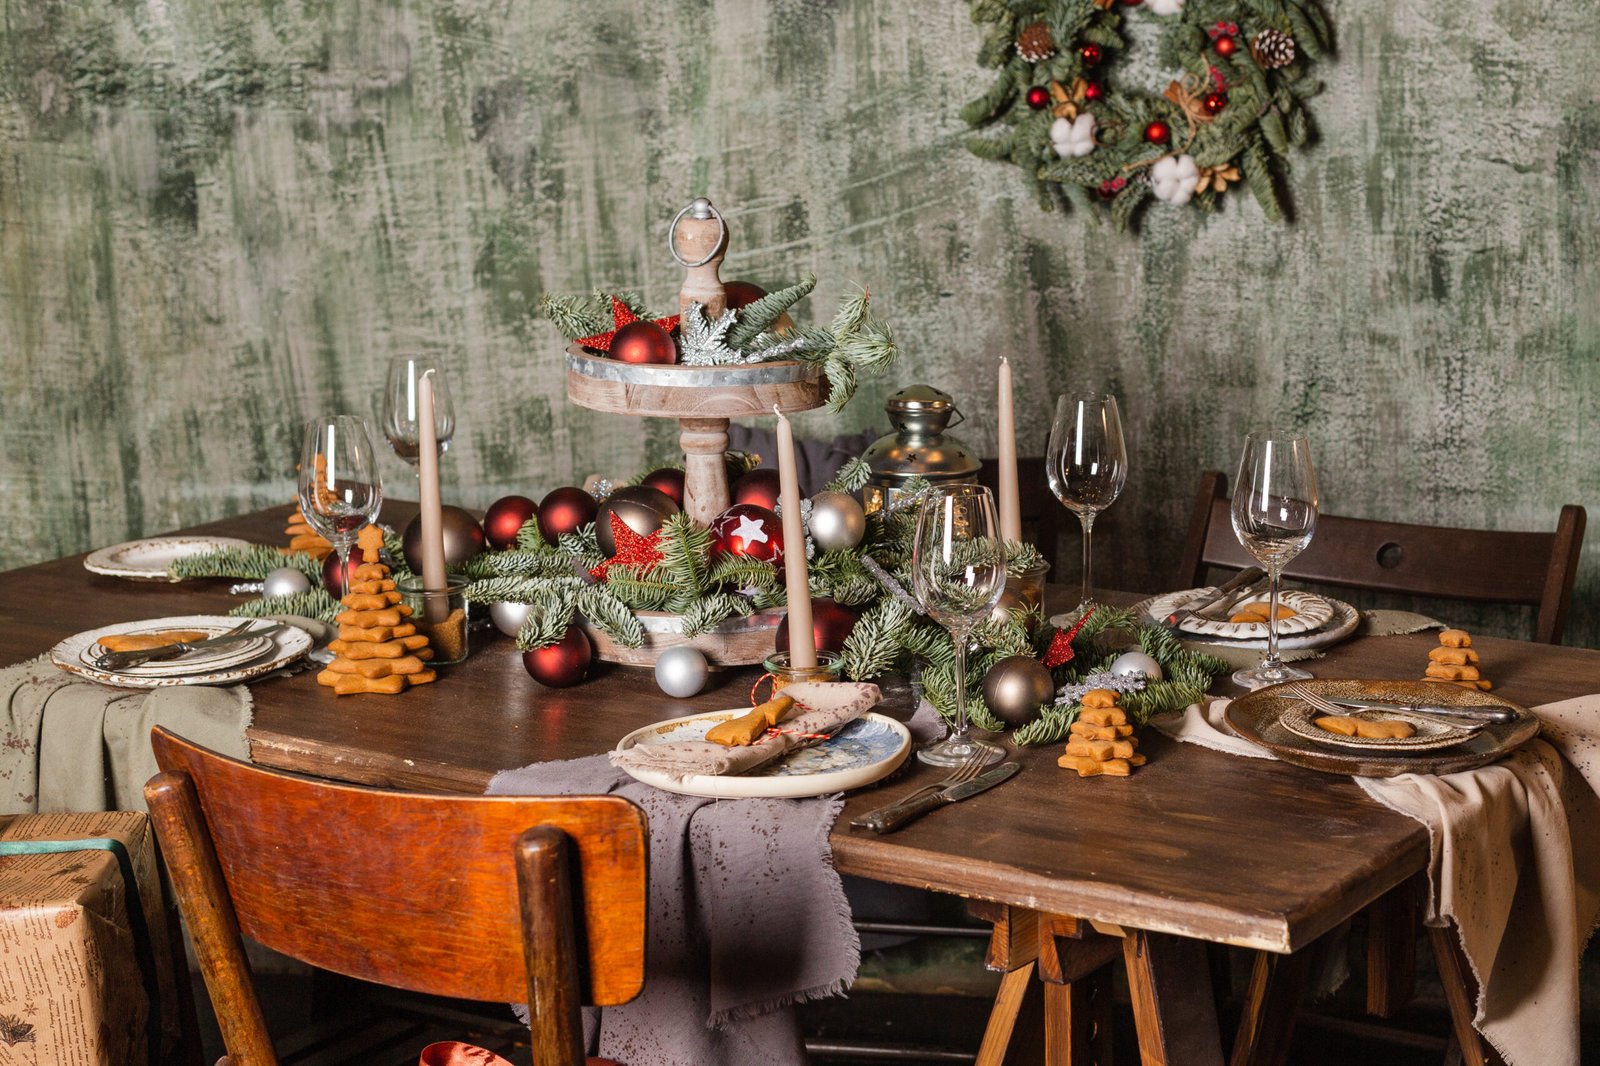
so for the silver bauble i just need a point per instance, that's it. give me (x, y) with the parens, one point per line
(837, 521)
(1136, 663)
(641, 508)
(508, 617)
(682, 671)
(1015, 687)
(285, 581)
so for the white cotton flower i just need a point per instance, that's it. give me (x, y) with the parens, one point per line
(1174, 178)
(1165, 7)
(1074, 137)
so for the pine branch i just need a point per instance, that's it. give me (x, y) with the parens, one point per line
(757, 318)
(709, 611)
(576, 316)
(851, 314)
(1051, 727)
(252, 564)
(518, 563)
(873, 646)
(316, 604)
(607, 613)
(506, 590)
(869, 347)
(549, 617)
(841, 384)
(685, 548)
(738, 572)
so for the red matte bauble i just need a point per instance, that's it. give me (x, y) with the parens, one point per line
(831, 624)
(330, 573)
(1158, 132)
(1090, 54)
(463, 538)
(749, 530)
(1215, 102)
(666, 480)
(742, 293)
(564, 511)
(562, 664)
(505, 518)
(1038, 97)
(1225, 46)
(759, 486)
(643, 342)
(1094, 91)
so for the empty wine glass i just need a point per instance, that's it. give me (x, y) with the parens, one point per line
(400, 405)
(959, 570)
(1087, 464)
(1274, 514)
(339, 487)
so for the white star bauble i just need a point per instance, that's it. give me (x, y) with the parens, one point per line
(750, 530)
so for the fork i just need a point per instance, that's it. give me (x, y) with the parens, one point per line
(963, 773)
(123, 659)
(1302, 693)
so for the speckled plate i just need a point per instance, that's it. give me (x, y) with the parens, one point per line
(868, 749)
(1312, 612)
(148, 559)
(1344, 622)
(280, 649)
(1430, 735)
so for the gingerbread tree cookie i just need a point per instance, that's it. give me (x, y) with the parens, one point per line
(379, 648)
(302, 538)
(1455, 662)
(1101, 740)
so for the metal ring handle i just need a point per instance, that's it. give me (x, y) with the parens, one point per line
(672, 231)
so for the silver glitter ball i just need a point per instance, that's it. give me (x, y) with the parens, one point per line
(837, 522)
(285, 581)
(682, 672)
(1137, 663)
(508, 617)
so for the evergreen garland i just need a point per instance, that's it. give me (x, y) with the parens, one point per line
(247, 564)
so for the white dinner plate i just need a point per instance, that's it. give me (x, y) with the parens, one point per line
(147, 559)
(1344, 622)
(282, 648)
(1312, 612)
(868, 749)
(200, 661)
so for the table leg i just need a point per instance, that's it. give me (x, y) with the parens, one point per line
(1172, 1007)
(1003, 1016)
(1077, 1021)
(1392, 928)
(1461, 993)
(1267, 1023)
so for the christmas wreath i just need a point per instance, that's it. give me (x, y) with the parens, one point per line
(1230, 117)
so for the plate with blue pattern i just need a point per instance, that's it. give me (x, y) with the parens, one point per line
(868, 749)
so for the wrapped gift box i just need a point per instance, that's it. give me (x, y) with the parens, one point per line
(79, 953)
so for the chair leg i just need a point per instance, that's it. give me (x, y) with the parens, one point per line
(550, 948)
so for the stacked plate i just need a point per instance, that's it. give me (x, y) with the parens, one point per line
(1318, 621)
(225, 664)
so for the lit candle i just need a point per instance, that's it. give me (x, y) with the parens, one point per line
(797, 580)
(1010, 500)
(432, 547)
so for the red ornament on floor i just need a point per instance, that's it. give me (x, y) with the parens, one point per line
(1038, 97)
(1090, 54)
(759, 486)
(749, 530)
(831, 623)
(562, 664)
(643, 342)
(666, 480)
(1158, 132)
(505, 518)
(563, 511)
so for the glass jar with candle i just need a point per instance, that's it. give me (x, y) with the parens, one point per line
(782, 672)
(440, 615)
(920, 447)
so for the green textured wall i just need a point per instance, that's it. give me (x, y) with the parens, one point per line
(220, 216)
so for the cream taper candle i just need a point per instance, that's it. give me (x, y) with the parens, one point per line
(1010, 499)
(432, 513)
(797, 578)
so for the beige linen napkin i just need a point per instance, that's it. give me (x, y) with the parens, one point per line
(826, 707)
(1515, 868)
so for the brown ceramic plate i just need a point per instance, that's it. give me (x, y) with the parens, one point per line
(1258, 718)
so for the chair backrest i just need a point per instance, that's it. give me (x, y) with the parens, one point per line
(434, 893)
(1039, 508)
(1479, 565)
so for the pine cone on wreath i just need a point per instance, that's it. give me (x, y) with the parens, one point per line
(1272, 49)
(1035, 43)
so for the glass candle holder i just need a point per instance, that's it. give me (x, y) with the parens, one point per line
(783, 672)
(1024, 591)
(440, 615)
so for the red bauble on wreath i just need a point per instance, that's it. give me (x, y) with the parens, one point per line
(643, 342)
(666, 480)
(1090, 54)
(831, 623)
(1093, 91)
(748, 530)
(564, 511)
(505, 518)
(1038, 97)
(1214, 103)
(562, 664)
(1158, 132)
(1225, 46)
(759, 486)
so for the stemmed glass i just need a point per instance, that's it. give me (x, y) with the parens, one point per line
(339, 487)
(400, 405)
(1274, 514)
(958, 571)
(1087, 465)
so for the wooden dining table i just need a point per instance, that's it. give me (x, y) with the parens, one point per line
(1195, 848)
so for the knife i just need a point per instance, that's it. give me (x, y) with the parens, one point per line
(1487, 713)
(888, 819)
(1247, 576)
(122, 660)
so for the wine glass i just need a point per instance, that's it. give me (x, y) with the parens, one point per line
(959, 570)
(1087, 464)
(400, 405)
(339, 487)
(1274, 514)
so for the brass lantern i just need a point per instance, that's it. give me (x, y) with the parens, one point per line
(919, 447)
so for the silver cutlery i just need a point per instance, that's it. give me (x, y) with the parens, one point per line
(888, 819)
(123, 660)
(965, 772)
(1241, 584)
(1489, 713)
(1328, 706)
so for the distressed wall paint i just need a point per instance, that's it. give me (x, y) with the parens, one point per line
(218, 217)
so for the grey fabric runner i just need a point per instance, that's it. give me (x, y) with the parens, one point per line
(68, 744)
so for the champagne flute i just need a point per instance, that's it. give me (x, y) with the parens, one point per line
(339, 487)
(400, 405)
(1274, 514)
(1087, 464)
(959, 571)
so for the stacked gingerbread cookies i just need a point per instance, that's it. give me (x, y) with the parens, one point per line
(1455, 662)
(379, 648)
(1101, 741)
(302, 538)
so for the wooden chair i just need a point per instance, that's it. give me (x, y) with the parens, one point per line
(536, 898)
(1477, 565)
(1041, 513)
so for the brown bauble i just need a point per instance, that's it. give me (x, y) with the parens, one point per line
(1015, 687)
(463, 538)
(562, 664)
(643, 342)
(831, 624)
(759, 486)
(666, 480)
(505, 518)
(565, 510)
(742, 293)
(639, 507)
(331, 580)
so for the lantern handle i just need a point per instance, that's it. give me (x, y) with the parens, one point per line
(956, 417)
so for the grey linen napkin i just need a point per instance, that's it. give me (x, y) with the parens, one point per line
(1522, 923)
(67, 744)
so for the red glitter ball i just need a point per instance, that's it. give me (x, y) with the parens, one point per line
(1038, 97)
(1226, 46)
(1090, 53)
(1094, 91)
(1158, 132)
(1215, 102)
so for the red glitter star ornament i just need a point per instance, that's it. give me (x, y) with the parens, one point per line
(621, 316)
(1060, 652)
(632, 549)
